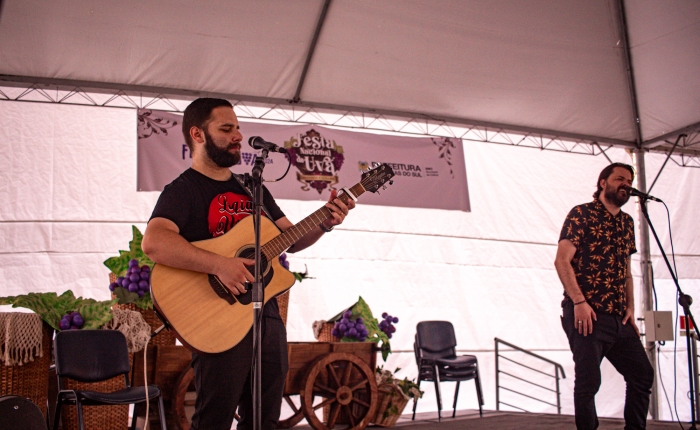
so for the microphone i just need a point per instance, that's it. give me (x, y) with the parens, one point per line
(257, 142)
(636, 192)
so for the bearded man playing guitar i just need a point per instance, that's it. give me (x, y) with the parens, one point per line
(204, 202)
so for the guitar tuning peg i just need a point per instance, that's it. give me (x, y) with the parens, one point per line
(383, 187)
(391, 182)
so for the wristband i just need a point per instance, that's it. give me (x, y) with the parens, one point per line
(578, 303)
(326, 230)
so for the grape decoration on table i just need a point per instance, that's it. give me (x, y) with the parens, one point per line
(71, 321)
(353, 329)
(136, 280)
(387, 324)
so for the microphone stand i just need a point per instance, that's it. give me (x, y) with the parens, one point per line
(685, 301)
(257, 290)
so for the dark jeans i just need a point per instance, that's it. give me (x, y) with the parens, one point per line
(621, 346)
(223, 381)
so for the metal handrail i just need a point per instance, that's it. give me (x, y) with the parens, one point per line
(557, 370)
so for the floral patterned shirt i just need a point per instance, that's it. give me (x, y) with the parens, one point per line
(603, 245)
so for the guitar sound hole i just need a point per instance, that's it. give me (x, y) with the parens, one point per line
(247, 298)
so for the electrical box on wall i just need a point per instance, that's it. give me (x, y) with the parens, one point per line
(658, 325)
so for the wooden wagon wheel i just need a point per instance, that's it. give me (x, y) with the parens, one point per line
(296, 417)
(346, 385)
(180, 401)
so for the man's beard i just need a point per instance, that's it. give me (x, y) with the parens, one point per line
(222, 157)
(614, 196)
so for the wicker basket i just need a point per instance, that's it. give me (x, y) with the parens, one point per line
(112, 417)
(165, 337)
(391, 403)
(325, 335)
(30, 380)
(283, 304)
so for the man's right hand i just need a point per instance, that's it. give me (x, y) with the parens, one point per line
(583, 318)
(234, 273)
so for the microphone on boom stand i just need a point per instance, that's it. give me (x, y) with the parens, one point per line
(635, 192)
(257, 142)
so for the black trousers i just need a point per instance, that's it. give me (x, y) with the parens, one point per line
(621, 346)
(224, 381)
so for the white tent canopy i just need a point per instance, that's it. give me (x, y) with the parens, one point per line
(549, 66)
(575, 70)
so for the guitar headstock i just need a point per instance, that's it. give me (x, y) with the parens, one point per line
(375, 178)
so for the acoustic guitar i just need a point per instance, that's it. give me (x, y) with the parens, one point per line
(203, 313)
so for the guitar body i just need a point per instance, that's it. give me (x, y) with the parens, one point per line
(204, 314)
(201, 318)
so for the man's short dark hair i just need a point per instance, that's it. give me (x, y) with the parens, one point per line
(198, 114)
(605, 174)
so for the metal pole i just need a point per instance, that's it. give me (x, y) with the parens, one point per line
(647, 281)
(556, 372)
(498, 401)
(695, 367)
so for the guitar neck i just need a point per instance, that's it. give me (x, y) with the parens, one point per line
(277, 245)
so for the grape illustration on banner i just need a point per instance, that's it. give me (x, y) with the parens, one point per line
(316, 158)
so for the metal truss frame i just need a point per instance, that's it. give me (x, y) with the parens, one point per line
(291, 111)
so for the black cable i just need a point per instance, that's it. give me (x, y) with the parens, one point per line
(675, 343)
(663, 387)
(661, 343)
(670, 238)
(675, 270)
(289, 164)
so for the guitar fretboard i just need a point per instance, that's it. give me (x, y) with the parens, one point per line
(276, 246)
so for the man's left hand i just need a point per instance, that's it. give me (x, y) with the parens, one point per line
(339, 210)
(629, 316)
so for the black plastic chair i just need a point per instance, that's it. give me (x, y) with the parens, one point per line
(93, 356)
(437, 361)
(19, 413)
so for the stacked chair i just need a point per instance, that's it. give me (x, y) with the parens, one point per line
(437, 361)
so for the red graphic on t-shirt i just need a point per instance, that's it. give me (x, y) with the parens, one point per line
(226, 210)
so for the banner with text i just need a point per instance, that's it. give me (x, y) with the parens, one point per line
(430, 172)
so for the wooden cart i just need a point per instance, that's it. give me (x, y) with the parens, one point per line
(336, 378)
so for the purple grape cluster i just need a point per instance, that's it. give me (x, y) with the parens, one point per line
(345, 327)
(136, 280)
(387, 324)
(283, 260)
(71, 321)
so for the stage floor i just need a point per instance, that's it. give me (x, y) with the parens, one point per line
(470, 420)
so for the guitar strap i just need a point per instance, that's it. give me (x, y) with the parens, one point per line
(250, 193)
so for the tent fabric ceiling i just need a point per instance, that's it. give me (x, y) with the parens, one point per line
(543, 64)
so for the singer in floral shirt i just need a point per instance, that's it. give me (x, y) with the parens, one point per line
(604, 243)
(593, 264)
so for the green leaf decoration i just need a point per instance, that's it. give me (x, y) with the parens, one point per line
(119, 265)
(7, 300)
(96, 314)
(125, 296)
(300, 276)
(51, 307)
(144, 302)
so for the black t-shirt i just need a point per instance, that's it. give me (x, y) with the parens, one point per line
(204, 208)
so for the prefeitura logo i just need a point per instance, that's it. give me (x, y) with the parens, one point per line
(316, 158)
